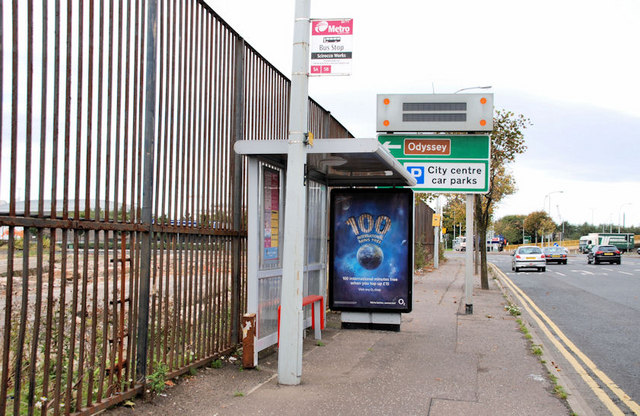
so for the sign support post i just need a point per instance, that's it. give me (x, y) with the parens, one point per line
(468, 275)
(290, 351)
(437, 218)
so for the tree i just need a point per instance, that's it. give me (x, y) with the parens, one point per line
(507, 141)
(511, 227)
(539, 223)
(453, 213)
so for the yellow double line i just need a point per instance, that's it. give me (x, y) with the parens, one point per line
(547, 326)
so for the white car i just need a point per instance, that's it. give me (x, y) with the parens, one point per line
(528, 257)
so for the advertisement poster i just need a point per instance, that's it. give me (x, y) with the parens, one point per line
(371, 259)
(271, 215)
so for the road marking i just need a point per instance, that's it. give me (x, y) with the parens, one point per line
(627, 273)
(528, 304)
(609, 270)
(560, 274)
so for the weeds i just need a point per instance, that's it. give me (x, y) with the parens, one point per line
(513, 309)
(536, 349)
(158, 378)
(558, 390)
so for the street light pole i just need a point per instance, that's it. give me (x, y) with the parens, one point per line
(549, 196)
(562, 221)
(549, 211)
(619, 212)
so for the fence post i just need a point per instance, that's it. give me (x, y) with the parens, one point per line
(236, 187)
(147, 192)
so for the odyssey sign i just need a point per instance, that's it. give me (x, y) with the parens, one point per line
(427, 147)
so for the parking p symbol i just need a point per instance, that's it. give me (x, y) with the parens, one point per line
(418, 173)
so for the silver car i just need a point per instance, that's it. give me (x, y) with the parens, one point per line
(528, 257)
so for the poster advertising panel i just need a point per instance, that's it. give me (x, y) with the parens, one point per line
(271, 218)
(371, 251)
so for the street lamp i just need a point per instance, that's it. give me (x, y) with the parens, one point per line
(562, 221)
(486, 87)
(619, 212)
(549, 196)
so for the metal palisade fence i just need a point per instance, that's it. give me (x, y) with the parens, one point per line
(123, 214)
(423, 232)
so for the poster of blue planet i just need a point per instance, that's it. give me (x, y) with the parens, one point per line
(371, 250)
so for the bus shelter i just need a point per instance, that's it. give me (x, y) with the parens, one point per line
(329, 163)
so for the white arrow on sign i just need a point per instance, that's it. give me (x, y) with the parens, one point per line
(390, 146)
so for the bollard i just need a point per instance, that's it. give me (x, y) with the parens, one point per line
(248, 339)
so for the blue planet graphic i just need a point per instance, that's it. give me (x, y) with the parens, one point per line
(370, 256)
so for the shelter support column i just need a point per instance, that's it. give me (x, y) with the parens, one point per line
(290, 351)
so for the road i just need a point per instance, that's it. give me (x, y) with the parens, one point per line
(597, 307)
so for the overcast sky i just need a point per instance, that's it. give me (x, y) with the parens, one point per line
(572, 67)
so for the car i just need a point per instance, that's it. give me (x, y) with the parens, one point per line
(638, 250)
(555, 254)
(528, 257)
(604, 253)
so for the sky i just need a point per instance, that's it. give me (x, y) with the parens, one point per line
(569, 66)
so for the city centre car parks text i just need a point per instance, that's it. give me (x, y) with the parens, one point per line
(454, 175)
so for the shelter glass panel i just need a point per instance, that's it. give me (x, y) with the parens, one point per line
(316, 223)
(268, 302)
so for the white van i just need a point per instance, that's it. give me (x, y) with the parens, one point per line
(460, 244)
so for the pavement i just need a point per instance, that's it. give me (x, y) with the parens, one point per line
(441, 362)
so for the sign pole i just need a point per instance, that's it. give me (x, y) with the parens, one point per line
(436, 237)
(290, 351)
(468, 275)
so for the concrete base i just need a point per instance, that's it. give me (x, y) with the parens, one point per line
(389, 321)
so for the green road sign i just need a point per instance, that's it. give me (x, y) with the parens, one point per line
(443, 163)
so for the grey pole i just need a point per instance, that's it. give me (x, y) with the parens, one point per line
(290, 351)
(147, 193)
(468, 275)
(436, 238)
(236, 186)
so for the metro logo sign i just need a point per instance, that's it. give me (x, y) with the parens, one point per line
(338, 27)
(330, 47)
